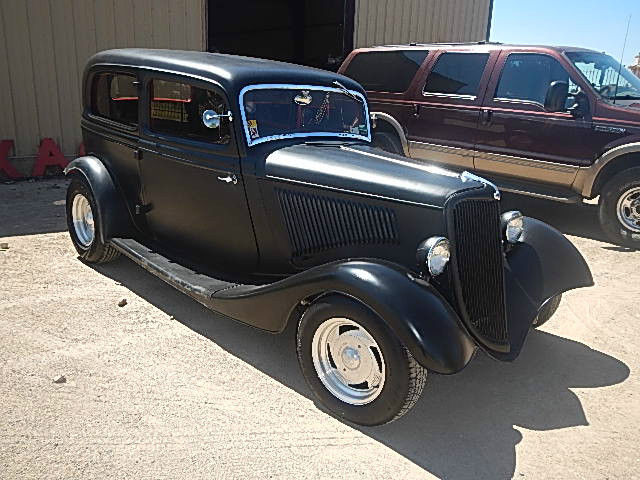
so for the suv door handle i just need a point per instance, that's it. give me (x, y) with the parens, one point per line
(486, 116)
(229, 179)
(416, 110)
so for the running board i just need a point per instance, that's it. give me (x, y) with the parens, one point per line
(543, 191)
(198, 286)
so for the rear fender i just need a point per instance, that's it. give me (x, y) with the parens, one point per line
(416, 313)
(112, 215)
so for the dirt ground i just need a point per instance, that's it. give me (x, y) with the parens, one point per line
(162, 388)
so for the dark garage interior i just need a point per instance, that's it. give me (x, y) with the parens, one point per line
(306, 32)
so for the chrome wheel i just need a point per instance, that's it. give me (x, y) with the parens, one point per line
(82, 217)
(629, 209)
(348, 361)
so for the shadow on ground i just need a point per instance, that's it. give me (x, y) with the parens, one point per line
(463, 427)
(33, 207)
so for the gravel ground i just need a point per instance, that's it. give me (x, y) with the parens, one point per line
(162, 388)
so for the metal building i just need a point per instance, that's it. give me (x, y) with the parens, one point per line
(45, 43)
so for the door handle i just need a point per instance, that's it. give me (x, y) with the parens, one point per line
(229, 179)
(416, 110)
(487, 116)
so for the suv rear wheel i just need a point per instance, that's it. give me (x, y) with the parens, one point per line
(389, 142)
(620, 208)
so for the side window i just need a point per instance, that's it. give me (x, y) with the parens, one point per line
(527, 76)
(386, 71)
(115, 96)
(456, 73)
(177, 108)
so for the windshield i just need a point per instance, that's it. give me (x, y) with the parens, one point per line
(272, 112)
(601, 71)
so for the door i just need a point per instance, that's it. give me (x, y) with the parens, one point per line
(447, 109)
(193, 187)
(517, 136)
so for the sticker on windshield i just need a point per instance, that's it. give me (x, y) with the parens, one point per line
(253, 129)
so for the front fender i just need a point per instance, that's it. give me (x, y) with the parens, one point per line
(112, 215)
(417, 314)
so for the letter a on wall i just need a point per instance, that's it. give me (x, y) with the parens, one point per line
(9, 170)
(48, 155)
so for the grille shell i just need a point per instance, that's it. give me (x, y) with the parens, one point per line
(479, 270)
(316, 223)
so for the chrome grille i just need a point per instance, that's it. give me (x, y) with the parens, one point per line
(478, 250)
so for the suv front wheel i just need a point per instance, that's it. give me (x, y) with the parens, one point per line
(620, 208)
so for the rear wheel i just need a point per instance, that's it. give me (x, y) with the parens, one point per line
(620, 208)
(388, 142)
(354, 364)
(83, 228)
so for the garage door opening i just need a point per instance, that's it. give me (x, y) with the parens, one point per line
(306, 32)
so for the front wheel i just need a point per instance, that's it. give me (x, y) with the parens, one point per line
(354, 364)
(620, 208)
(83, 228)
(547, 310)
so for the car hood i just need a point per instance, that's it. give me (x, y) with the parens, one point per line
(366, 170)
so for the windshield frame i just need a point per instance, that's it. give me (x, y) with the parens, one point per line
(289, 86)
(622, 71)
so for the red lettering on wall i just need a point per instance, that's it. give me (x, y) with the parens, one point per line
(48, 155)
(10, 171)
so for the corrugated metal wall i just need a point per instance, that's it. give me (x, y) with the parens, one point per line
(44, 45)
(383, 22)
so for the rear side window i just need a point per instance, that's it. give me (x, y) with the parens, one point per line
(115, 96)
(386, 71)
(527, 76)
(177, 109)
(457, 73)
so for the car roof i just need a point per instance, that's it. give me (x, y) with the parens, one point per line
(231, 72)
(470, 46)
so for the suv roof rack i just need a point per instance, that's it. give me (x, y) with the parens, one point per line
(416, 44)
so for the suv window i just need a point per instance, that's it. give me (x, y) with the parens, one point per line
(527, 76)
(115, 96)
(176, 109)
(386, 71)
(456, 73)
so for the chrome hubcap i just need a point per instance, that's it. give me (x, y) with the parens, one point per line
(629, 209)
(348, 361)
(82, 217)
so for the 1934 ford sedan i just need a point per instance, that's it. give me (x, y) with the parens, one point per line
(251, 186)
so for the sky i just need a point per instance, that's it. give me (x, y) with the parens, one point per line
(599, 25)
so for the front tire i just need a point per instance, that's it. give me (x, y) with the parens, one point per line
(388, 142)
(84, 228)
(546, 312)
(620, 208)
(354, 364)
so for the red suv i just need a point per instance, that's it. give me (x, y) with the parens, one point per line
(560, 123)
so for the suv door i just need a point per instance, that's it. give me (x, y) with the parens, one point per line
(193, 188)
(517, 136)
(447, 108)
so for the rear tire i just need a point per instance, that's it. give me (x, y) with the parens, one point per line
(369, 377)
(84, 228)
(389, 142)
(620, 208)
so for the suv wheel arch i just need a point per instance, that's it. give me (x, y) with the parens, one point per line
(591, 180)
(384, 122)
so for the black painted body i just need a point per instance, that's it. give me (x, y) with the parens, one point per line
(306, 217)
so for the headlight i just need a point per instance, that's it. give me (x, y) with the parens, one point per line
(513, 226)
(434, 253)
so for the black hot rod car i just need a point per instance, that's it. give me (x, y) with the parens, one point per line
(252, 186)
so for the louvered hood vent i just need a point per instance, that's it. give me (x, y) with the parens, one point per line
(317, 223)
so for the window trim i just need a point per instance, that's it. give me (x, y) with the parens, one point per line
(89, 104)
(460, 96)
(523, 101)
(167, 138)
(289, 86)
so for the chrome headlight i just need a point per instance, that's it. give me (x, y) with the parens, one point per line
(434, 253)
(513, 226)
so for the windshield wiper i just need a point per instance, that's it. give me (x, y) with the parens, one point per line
(347, 92)
(625, 97)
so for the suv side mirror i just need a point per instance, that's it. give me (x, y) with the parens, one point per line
(556, 97)
(580, 108)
